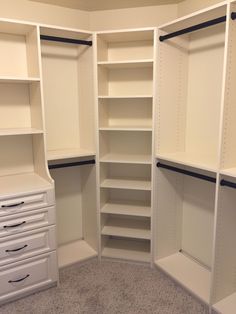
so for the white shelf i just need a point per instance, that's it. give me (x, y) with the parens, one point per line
(22, 183)
(127, 64)
(188, 273)
(132, 159)
(15, 79)
(68, 153)
(231, 172)
(227, 305)
(19, 131)
(127, 249)
(194, 160)
(125, 208)
(124, 96)
(127, 128)
(126, 184)
(74, 252)
(130, 228)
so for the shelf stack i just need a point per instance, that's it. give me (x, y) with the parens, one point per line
(125, 122)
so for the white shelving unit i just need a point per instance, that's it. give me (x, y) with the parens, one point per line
(125, 142)
(70, 127)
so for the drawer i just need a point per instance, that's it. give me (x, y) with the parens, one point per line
(27, 244)
(27, 276)
(27, 221)
(22, 203)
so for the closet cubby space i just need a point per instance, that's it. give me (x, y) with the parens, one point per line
(126, 249)
(228, 150)
(19, 60)
(125, 147)
(184, 228)
(224, 283)
(75, 189)
(125, 114)
(22, 164)
(125, 176)
(125, 81)
(117, 48)
(69, 100)
(125, 202)
(20, 109)
(190, 92)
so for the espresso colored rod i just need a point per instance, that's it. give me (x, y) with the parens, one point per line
(228, 184)
(194, 28)
(187, 172)
(73, 164)
(67, 40)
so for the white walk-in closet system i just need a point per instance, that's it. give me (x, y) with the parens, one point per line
(134, 132)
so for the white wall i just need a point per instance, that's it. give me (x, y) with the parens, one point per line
(132, 18)
(43, 13)
(189, 6)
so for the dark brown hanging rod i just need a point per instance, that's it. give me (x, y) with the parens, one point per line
(228, 184)
(193, 28)
(67, 40)
(73, 164)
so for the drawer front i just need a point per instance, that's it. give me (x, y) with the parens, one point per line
(27, 221)
(10, 206)
(28, 244)
(27, 276)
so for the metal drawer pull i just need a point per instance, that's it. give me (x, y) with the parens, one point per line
(15, 250)
(13, 205)
(13, 281)
(14, 226)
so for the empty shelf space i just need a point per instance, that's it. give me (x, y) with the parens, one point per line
(124, 158)
(190, 159)
(127, 249)
(227, 305)
(68, 153)
(130, 228)
(15, 79)
(127, 64)
(127, 208)
(74, 252)
(124, 96)
(22, 183)
(126, 184)
(20, 131)
(126, 128)
(188, 273)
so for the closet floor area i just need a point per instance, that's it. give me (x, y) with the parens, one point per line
(109, 287)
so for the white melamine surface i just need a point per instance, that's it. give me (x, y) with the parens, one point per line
(127, 249)
(68, 153)
(22, 183)
(126, 184)
(229, 172)
(188, 273)
(20, 131)
(122, 158)
(130, 228)
(14, 79)
(126, 128)
(126, 208)
(127, 64)
(125, 96)
(74, 252)
(227, 305)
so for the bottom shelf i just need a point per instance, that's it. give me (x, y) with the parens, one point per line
(188, 273)
(227, 305)
(127, 249)
(74, 252)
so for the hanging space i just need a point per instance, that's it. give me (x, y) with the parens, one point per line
(67, 64)
(125, 62)
(224, 279)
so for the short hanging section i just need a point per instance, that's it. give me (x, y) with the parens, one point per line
(197, 27)
(67, 40)
(187, 172)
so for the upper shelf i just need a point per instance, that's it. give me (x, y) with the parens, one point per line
(16, 79)
(20, 131)
(68, 153)
(127, 64)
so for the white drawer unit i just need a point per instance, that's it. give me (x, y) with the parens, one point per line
(27, 276)
(28, 244)
(22, 203)
(27, 221)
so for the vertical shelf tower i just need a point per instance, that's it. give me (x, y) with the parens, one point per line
(125, 73)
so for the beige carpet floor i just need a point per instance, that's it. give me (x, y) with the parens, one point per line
(109, 288)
